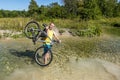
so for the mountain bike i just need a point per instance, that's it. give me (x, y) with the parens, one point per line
(33, 31)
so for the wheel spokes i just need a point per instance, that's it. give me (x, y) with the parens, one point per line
(40, 58)
(32, 29)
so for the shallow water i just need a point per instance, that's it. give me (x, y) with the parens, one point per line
(17, 63)
(83, 69)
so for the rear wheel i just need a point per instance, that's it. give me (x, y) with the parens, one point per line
(40, 57)
(32, 29)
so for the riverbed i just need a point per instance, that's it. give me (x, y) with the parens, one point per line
(17, 63)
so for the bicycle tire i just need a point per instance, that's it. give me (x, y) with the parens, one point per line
(38, 56)
(27, 32)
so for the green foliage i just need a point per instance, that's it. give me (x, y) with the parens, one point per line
(14, 13)
(71, 7)
(81, 28)
(117, 10)
(116, 24)
(56, 11)
(82, 9)
(89, 32)
(91, 9)
(115, 31)
(0, 36)
(15, 36)
(61, 31)
(14, 24)
(110, 26)
(107, 7)
(6, 35)
(33, 7)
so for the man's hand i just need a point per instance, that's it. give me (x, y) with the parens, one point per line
(58, 41)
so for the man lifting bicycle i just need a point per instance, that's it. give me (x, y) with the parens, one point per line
(47, 41)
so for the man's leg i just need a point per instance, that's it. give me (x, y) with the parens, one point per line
(46, 56)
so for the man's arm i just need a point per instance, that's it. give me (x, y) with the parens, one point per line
(55, 36)
(46, 29)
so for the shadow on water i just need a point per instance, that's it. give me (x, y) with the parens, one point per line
(27, 54)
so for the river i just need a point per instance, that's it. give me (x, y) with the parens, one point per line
(17, 63)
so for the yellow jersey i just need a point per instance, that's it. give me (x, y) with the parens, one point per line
(50, 36)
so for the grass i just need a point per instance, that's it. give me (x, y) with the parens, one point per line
(15, 24)
(115, 31)
(10, 23)
(79, 28)
(110, 26)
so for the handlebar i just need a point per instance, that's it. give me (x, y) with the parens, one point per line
(45, 25)
(36, 38)
(43, 41)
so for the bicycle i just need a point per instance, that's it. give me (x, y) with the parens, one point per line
(33, 31)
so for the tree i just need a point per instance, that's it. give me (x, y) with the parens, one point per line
(1, 13)
(86, 9)
(107, 7)
(71, 7)
(117, 10)
(33, 8)
(56, 11)
(91, 9)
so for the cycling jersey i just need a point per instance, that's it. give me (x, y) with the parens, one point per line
(50, 36)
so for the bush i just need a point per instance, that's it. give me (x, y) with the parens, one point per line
(89, 32)
(17, 36)
(116, 25)
(61, 31)
(6, 34)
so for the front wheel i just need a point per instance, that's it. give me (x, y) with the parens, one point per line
(40, 57)
(32, 29)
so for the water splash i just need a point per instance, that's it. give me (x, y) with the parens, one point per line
(63, 67)
(83, 69)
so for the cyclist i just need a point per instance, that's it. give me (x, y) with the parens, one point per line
(47, 44)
